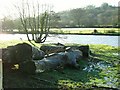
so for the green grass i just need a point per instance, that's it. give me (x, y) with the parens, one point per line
(103, 63)
(4, 44)
(86, 31)
(90, 31)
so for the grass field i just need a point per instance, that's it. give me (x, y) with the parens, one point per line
(86, 30)
(100, 70)
(90, 31)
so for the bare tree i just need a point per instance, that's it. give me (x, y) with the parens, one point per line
(35, 22)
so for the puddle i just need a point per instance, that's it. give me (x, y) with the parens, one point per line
(92, 66)
(106, 72)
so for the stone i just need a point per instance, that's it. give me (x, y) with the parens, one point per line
(18, 53)
(85, 50)
(73, 57)
(27, 67)
(37, 54)
(53, 62)
(52, 49)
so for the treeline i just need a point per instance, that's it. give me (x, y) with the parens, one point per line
(90, 16)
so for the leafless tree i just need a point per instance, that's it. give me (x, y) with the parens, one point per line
(35, 22)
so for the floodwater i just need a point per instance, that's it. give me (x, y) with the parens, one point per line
(78, 39)
(101, 73)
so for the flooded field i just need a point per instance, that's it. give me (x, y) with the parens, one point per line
(77, 39)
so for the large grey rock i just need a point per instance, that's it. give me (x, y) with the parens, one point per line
(85, 50)
(18, 53)
(45, 64)
(52, 49)
(53, 62)
(37, 54)
(27, 67)
(73, 56)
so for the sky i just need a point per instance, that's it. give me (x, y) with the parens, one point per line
(7, 6)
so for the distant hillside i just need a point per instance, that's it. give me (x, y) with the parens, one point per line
(90, 16)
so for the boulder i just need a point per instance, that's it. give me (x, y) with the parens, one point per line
(27, 67)
(52, 49)
(45, 64)
(31, 59)
(37, 54)
(53, 62)
(18, 53)
(73, 57)
(85, 50)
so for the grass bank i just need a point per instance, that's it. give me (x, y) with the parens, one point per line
(78, 31)
(101, 70)
(87, 31)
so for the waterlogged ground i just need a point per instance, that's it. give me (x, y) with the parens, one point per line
(101, 70)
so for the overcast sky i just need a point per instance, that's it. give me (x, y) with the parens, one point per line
(6, 6)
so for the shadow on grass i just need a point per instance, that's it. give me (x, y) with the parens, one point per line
(92, 72)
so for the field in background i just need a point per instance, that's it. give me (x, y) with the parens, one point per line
(85, 30)
(79, 31)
